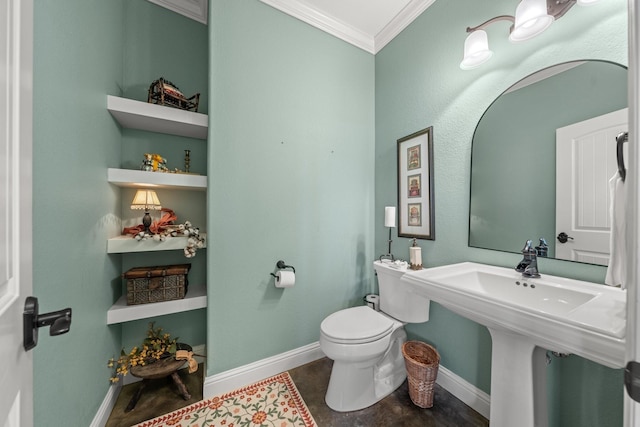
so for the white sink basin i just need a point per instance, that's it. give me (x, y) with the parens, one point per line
(540, 296)
(559, 314)
(526, 316)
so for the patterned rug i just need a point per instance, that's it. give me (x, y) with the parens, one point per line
(274, 402)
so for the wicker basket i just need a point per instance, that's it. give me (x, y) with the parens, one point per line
(156, 284)
(421, 361)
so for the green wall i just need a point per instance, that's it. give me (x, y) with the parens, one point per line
(419, 84)
(77, 61)
(291, 177)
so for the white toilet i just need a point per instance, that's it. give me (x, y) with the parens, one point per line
(366, 345)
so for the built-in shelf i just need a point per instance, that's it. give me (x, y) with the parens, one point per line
(138, 178)
(127, 244)
(120, 312)
(157, 118)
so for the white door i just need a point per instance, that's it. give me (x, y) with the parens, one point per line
(632, 184)
(16, 28)
(585, 161)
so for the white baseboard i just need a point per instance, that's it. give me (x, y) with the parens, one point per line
(104, 411)
(471, 395)
(261, 369)
(102, 416)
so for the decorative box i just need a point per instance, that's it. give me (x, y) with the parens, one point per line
(163, 92)
(156, 284)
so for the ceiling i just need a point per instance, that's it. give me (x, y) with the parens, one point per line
(367, 24)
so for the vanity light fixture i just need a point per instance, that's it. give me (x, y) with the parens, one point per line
(532, 17)
(146, 200)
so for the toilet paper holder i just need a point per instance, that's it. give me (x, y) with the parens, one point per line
(281, 266)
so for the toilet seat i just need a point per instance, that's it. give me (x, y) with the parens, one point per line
(356, 325)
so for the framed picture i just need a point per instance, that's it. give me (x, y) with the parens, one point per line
(415, 185)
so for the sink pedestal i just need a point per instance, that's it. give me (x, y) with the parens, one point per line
(518, 381)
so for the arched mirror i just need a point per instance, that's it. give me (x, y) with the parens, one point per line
(538, 159)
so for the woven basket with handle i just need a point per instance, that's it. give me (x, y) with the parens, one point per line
(421, 361)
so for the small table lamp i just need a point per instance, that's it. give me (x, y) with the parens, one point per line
(146, 200)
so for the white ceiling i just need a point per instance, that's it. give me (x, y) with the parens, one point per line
(367, 24)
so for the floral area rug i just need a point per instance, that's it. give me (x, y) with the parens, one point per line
(274, 402)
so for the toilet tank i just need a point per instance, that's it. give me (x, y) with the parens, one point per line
(395, 298)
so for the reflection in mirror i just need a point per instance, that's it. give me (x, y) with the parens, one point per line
(513, 160)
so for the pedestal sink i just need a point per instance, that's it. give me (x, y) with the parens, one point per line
(526, 317)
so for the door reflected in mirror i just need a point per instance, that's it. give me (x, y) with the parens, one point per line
(515, 168)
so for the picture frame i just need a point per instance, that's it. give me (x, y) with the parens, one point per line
(415, 186)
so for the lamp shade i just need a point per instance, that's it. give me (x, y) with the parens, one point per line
(146, 200)
(531, 19)
(476, 50)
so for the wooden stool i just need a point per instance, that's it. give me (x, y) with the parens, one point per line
(159, 369)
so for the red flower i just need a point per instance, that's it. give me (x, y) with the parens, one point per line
(259, 417)
(215, 403)
(174, 421)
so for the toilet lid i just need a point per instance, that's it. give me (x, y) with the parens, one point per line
(356, 325)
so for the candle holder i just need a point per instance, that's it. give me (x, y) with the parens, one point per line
(390, 222)
(187, 160)
(388, 255)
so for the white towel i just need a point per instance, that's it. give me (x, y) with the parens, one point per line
(617, 207)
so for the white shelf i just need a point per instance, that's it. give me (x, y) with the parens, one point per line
(157, 118)
(120, 312)
(127, 244)
(138, 178)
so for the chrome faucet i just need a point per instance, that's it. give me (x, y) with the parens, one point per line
(529, 264)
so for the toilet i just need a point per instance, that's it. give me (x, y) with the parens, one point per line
(366, 345)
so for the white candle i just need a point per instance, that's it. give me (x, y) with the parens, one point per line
(390, 216)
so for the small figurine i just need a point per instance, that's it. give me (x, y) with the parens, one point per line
(154, 162)
(147, 164)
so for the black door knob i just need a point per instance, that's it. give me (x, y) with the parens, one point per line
(563, 237)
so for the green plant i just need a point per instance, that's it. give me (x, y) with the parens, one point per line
(155, 346)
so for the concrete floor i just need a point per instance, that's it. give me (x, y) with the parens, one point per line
(312, 380)
(394, 410)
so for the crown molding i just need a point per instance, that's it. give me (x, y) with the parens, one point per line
(371, 43)
(324, 22)
(194, 9)
(400, 22)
